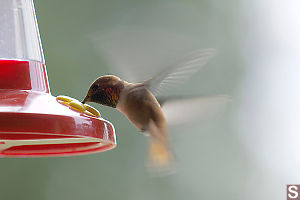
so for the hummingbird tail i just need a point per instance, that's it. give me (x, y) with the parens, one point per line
(160, 158)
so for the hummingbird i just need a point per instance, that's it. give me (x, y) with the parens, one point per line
(141, 104)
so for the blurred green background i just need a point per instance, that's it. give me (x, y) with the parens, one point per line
(86, 39)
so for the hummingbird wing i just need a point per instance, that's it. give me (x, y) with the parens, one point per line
(180, 72)
(180, 110)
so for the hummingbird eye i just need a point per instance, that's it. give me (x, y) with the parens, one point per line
(95, 87)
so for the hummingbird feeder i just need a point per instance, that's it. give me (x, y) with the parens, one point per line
(32, 121)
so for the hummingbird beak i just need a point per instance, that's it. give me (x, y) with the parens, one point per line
(86, 99)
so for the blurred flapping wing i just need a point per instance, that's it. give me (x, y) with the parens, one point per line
(182, 110)
(179, 72)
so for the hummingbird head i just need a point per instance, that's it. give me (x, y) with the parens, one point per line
(105, 90)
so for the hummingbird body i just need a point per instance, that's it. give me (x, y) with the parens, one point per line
(139, 105)
(141, 108)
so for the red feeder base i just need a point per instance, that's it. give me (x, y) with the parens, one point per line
(33, 123)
